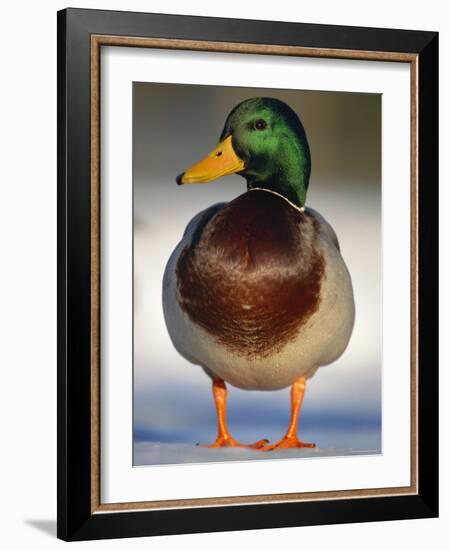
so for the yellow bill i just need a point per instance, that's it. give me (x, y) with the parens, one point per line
(221, 161)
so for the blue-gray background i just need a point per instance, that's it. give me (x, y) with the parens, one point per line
(173, 127)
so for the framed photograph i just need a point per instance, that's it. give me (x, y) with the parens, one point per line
(247, 257)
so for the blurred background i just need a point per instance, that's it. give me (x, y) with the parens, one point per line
(175, 125)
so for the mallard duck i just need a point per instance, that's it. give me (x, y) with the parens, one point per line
(257, 292)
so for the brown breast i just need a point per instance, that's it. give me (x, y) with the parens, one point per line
(251, 277)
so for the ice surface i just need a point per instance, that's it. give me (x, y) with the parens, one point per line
(151, 453)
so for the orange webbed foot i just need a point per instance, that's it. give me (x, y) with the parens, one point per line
(231, 442)
(288, 442)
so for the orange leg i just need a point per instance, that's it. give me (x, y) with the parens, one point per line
(290, 439)
(224, 438)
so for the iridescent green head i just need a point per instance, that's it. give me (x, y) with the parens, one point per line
(264, 141)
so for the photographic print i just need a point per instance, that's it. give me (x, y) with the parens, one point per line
(257, 274)
(247, 266)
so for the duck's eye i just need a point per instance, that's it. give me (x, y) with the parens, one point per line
(260, 124)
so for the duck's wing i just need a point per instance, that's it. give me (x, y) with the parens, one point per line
(325, 227)
(177, 331)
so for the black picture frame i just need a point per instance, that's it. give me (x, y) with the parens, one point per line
(76, 518)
